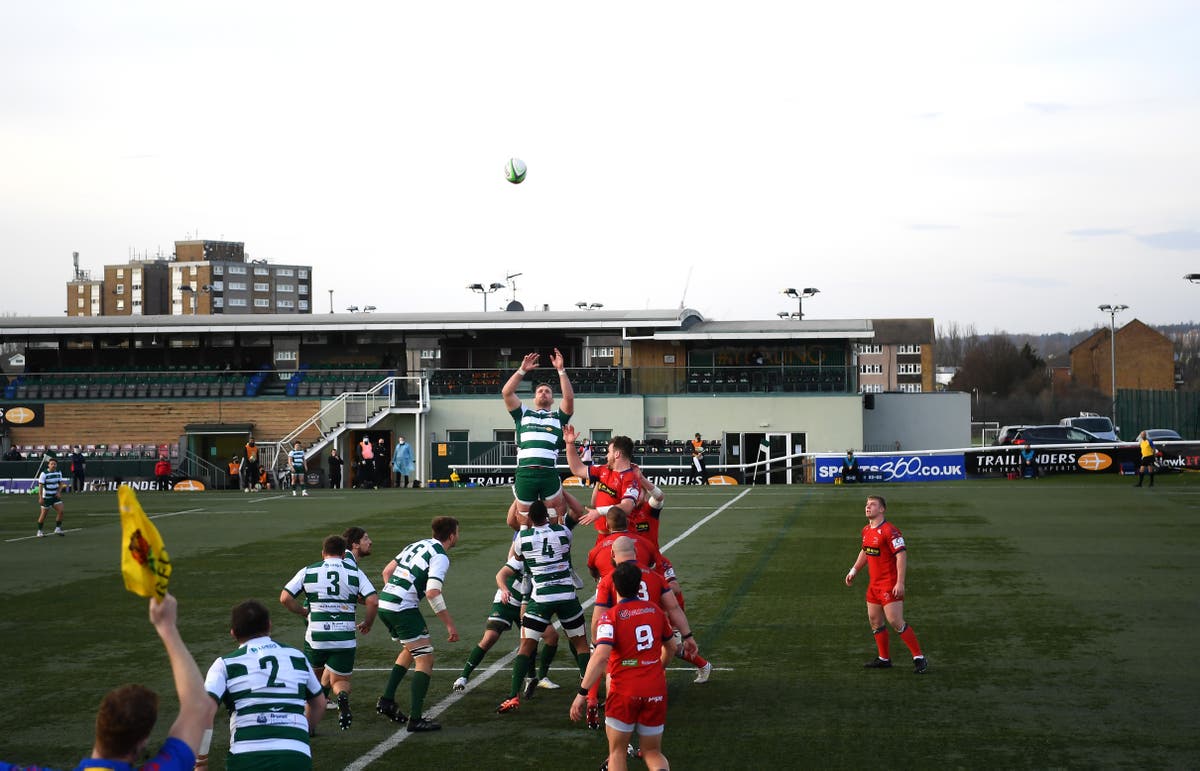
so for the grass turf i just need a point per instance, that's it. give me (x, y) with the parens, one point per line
(1058, 616)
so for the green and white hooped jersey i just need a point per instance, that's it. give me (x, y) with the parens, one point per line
(415, 565)
(332, 588)
(546, 553)
(539, 436)
(50, 482)
(266, 686)
(518, 587)
(297, 457)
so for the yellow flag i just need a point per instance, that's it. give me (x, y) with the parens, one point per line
(144, 561)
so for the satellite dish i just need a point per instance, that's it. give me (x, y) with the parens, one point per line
(515, 305)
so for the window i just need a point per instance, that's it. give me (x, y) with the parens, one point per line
(282, 287)
(870, 369)
(120, 305)
(304, 289)
(908, 369)
(236, 286)
(120, 273)
(136, 287)
(910, 388)
(261, 287)
(603, 352)
(299, 274)
(262, 270)
(218, 286)
(870, 388)
(192, 270)
(218, 270)
(237, 302)
(431, 353)
(262, 302)
(457, 436)
(120, 289)
(285, 304)
(908, 349)
(303, 305)
(285, 272)
(506, 435)
(864, 348)
(78, 302)
(218, 302)
(237, 270)
(601, 437)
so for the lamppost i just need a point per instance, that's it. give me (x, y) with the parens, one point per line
(331, 301)
(798, 295)
(585, 306)
(1112, 311)
(485, 290)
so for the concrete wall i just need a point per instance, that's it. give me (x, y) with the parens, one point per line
(830, 422)
(918, 421)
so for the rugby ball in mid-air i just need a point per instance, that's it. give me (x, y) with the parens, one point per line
(515, 170)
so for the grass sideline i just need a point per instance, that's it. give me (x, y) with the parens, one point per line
(1056, 613)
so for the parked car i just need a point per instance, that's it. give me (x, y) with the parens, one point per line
(1038, 435)
(1007, 434)
(1093, 424)
(1163, 435)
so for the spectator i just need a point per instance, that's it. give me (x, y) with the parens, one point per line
(381, 462)
(402, 463)
(850, 468)
(250, 463)
(1029, 468)
(367, 468)
(698, 459)
(335, 469)
(13, 454)
(235, 473)
(78, 478)
(162, 473)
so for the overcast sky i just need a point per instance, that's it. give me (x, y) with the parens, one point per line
(1008, 165)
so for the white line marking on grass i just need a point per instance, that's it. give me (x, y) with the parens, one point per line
(51, 535)
(390, 743)
(688, 668)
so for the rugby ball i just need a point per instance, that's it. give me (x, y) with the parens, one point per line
(514, 171)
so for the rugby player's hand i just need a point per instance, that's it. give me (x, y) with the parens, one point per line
(530, 362)
(451, 632)
(898, 591)
(556, 359)
(570, 434)
(578, 706)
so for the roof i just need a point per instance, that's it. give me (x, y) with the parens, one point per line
(839, 329)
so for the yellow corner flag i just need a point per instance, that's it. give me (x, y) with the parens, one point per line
(144, 561)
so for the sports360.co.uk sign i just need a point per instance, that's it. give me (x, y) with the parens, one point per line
(897, 468)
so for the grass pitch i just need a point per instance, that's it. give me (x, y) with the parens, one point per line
(1058, 616)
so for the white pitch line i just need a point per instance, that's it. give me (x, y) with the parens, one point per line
(390, 743)
(31, 537)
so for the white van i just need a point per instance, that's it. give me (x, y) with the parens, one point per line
(1094, 424)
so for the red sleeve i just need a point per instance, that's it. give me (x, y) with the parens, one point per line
(604, 593)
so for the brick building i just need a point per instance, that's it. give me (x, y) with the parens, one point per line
(1145, 360)
(898, 358)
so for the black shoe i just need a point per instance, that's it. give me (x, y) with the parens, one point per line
(388, 709)
(878, 663)
(531, 688)
(920, 665)
(423, 724)
(344, 715)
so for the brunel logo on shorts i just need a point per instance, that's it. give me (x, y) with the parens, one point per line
(1094, 461)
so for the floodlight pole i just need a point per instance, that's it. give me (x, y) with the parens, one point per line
(1112, 311)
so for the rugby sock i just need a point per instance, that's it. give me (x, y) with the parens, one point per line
(698, 661)
(420, 686)
(473, 660)
(910, 639)
(883, 642)
(520, 669)
(547, 656)
(533, 660)
(398, 673)
(582, 660)
(1141, 475)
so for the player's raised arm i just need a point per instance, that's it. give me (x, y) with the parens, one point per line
(509, 391)
(576, 464)
(567, 402)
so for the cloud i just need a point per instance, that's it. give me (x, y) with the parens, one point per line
(929, 115)
(1048, 108)
(1177, 240)
(1092, 232)
(1030, 282)
(932, 226)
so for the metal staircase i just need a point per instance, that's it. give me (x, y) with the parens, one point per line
(356, 411)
